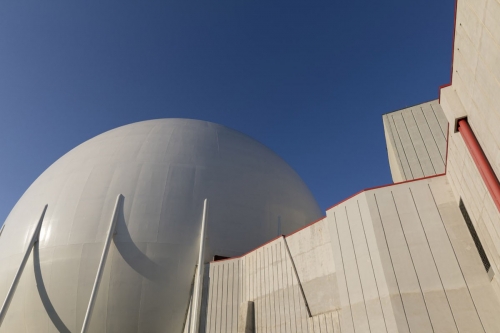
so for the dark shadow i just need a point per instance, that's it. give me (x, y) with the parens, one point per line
(47, 304)
(204, 299)
(132, 254)
(187, 320)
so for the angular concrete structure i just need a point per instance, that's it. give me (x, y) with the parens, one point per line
(122, 231)
(416, 141)
(393, 259)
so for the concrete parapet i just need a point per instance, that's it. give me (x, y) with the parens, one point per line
(393, 259)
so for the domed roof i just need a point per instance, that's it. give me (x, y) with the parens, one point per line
(164, 168)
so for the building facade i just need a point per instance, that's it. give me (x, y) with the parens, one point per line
(115, 236)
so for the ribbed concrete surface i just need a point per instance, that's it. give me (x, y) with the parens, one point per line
(394, 259)
(475, 94)
(416, 141)
(266, 277)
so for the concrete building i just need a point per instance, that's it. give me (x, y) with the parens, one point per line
(126, 242)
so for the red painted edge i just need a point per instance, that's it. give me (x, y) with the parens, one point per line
(340, 202)
(387, 185)
(452, 53)
(322, 218)
(482, 164)
(351, 196)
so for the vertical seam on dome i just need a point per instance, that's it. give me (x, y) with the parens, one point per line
(76, 207)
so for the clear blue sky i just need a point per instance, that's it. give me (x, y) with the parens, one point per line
(309, 79)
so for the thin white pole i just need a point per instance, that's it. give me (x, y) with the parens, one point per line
(198, 282)
(12, 290)
(104, 255)
(297, 276)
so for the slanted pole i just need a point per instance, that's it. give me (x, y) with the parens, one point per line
(297, 276)
(1, 230)
(198, 282)
(95, 288)
(17, 277)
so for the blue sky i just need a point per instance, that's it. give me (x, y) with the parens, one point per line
(309, 79)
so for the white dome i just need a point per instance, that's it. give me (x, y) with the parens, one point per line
(165, 169)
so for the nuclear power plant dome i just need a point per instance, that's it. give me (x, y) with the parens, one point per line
(164, 169)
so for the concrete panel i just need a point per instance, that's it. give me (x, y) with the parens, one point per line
(246, 318)
(441, 117)
(430, 143)
(438, 134)
(401, 154)
(409, 286)
(212, 310)
(446, 263)
(408, 146)
(429, 281)
(354, 287)
(224, 295)
(378, 288)
(346, 317)
(368, 283)
(416, 141)
(395, 162)
(391, 298)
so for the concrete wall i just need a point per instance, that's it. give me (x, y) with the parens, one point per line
(394, 259)
(266, 277)
(416, 141)
(475, 94)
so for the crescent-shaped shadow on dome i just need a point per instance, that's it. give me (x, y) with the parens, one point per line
(163, 168)
(42, 291)
(134, 257)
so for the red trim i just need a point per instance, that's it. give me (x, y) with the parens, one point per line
(340, 202)
(386, 185)
(452, 52)
(482, 164)
(364, 190)
(322, 218)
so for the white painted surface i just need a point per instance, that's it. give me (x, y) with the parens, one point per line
(164, 168)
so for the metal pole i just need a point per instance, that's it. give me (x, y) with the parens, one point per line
(297, 277)
(12, 290)
(195, 305)
(483, 165)
(104, 255)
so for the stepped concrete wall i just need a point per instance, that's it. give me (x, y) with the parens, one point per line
(393, 259)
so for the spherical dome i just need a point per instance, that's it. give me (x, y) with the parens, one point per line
(164, 169)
